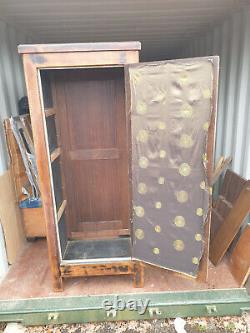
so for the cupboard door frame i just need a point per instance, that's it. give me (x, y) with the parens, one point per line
(36, 58)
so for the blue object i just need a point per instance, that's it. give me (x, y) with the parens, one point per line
(31, 203)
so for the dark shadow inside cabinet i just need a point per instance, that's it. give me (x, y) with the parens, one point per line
(87, 136)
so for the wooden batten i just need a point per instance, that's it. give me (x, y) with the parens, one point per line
(79, 47)
(55, 154)
(98, 234)
(61, 210)
(49, 112)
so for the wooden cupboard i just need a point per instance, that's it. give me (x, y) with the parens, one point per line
(87, 102)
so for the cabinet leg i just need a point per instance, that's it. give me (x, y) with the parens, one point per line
(57, 283)
(138, 276)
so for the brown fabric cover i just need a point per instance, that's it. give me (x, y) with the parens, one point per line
(171, 106)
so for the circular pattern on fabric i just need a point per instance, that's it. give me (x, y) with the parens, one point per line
(203, 185)
(143, 162)
(142, 188)
(179, 221)
(206, 126)
(186, 141)
(204, 157)
(198, 237)
(199, 211)
(161, 180)
(162, 153)
(139, 234)
(184, 169)
(195, 260)
(156, 250)
(158, 204)
(183, 79)
(157, 228)
(139, 211)
(142, 136)
(178, 245)
(135, 75)
(181, 196)
(187, 111)
(161, 125)
(141, 107)
(206, 93)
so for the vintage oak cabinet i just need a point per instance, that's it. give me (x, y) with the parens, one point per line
(124, 154)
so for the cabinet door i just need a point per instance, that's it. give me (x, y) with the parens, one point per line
(172, 106)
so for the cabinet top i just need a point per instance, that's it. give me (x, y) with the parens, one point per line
(79, 47)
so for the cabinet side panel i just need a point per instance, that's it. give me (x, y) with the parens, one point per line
(42, 159)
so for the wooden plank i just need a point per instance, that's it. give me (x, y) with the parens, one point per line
(136, 269)
(240, 258)
(92, 114)
(50, 112)
(95, 154)
(230, 226)
(17, 168)
(203, 266)
(79, 47)
(10, 218)
(27, 134)
(216, 222)
(55, 154)
(232, 186)
(220, 211)
(116, 268)
(61, 210)
(81, 59)
(34, 222)
(220, 168)
(98, 234)
(104, 225)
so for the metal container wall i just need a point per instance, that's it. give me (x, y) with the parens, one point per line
(231, 41)
(12, 86)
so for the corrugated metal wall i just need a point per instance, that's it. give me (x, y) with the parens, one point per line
(12, 88)
(231, 41)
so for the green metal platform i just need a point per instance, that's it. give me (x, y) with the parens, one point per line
(82, 309)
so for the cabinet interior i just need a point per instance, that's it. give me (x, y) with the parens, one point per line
(87, 135)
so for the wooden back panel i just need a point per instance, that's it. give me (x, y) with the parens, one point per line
(92, 122)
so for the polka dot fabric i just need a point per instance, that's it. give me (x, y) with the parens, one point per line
(171, 105)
